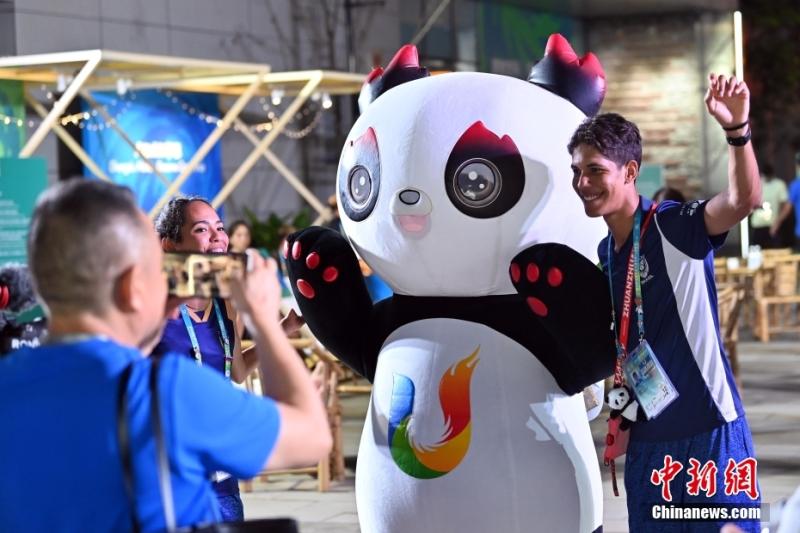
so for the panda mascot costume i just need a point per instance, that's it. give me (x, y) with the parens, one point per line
(457, 190)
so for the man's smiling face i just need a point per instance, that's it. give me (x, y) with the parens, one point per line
(600, 182)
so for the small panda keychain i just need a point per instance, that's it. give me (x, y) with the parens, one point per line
(623, 405)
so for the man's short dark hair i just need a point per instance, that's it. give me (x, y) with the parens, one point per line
(172, 216)
(84, 233)
(612, 135)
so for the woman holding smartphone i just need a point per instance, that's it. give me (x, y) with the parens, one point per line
(206, 328)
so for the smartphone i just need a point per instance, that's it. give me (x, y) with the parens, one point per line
(202, 275)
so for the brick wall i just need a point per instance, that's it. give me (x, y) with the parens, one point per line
(656, 69)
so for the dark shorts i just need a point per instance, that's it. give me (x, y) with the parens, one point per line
(730, 441)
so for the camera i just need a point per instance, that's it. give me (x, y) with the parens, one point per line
(202, 275)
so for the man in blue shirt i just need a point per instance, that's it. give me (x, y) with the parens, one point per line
(794, 203)
(698, 449)
(96, 264)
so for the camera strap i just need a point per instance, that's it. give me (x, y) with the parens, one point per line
(223, 332)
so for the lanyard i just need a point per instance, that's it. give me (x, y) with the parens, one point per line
(632, 279)
(226, 343)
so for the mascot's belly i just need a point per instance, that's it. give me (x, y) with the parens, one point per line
(468, 432)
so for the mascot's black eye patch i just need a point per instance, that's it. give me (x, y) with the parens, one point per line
(360, 176)
(484, 176)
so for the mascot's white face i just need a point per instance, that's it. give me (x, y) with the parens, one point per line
(443, 180)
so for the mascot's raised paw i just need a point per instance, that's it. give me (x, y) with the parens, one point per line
(557, 282)
(329, 288)
(566, 292)
(319, 261)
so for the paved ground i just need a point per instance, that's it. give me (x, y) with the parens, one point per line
(771, 394)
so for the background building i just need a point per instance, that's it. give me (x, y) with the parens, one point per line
(656, 56)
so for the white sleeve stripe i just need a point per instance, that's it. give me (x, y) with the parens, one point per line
(687, 277)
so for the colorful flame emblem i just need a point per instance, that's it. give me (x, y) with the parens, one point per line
(428, 462)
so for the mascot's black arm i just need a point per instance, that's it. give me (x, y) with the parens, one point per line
(329, 288)
(568, 296)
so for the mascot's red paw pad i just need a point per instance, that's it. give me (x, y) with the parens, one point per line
(330, 274)
(537, 306)
(296, 250)
(312, 261)
(305, 289)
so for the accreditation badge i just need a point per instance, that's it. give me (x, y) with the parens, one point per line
(652, 387)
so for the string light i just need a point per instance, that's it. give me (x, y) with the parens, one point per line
(116, 108)
(272, 116)
(10, 120)
(123, 85)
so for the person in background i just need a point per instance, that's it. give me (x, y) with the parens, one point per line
(97, 267)
(794, 202)
(240, 237)
(668, 193)
(766, 220)
(22, 321)
(695, 411)
(208, 331)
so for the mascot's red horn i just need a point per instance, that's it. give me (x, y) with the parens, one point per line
(403, 67)
(579, 80)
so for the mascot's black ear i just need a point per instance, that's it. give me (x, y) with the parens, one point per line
(403, 67)
(581, 81)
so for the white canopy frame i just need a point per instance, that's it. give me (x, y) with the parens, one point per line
(88, 70)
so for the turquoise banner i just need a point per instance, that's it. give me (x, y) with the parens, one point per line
(21, 182)
(512, 38)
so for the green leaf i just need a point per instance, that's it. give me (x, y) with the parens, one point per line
(268, 233)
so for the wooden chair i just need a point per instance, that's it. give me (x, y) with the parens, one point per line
(768, 253)
(777, 300)
(332, 467)
(730, 298)
(734, 271)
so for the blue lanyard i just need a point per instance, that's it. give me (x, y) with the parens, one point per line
(226, 343)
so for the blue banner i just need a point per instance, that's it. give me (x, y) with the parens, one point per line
(167, 128)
